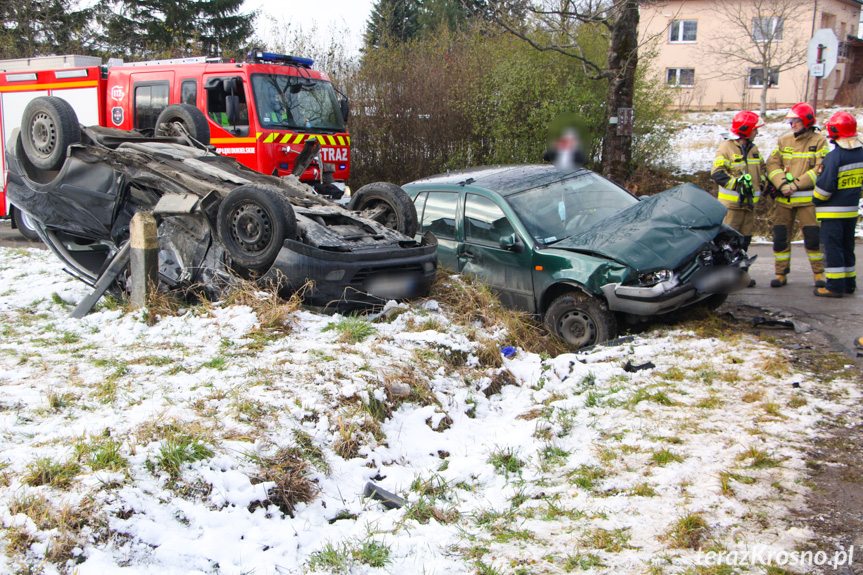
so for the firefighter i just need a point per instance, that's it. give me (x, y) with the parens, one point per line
(738, 170)
(836, 198)
(792, 168)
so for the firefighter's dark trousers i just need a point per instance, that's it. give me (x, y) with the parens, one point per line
(783, 230)
(837, 241)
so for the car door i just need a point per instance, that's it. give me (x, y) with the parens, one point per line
(493, 251)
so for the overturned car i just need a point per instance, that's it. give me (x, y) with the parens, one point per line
(216, 219)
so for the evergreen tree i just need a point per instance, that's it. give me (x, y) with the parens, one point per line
(392, 21)
(44, 27)
(176, 28)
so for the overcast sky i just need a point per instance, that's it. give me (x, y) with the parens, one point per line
(329, 15)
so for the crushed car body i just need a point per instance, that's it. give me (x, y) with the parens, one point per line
(217, 220)
(579, 250)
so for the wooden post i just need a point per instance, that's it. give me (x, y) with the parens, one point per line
(144, 259)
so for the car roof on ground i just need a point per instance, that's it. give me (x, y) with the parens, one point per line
(505, 180)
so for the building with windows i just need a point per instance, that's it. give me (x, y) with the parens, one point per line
(718, 54)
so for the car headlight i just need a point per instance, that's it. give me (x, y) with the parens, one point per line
(654, 278)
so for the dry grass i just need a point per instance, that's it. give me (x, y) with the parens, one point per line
(471, 302)
(274, 313)
(63, 525)
(500, 379)
(290, 475)
(688, 532)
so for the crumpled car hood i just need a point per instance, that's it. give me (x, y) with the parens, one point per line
(660, 232)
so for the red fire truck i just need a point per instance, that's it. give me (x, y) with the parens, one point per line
(260, 111)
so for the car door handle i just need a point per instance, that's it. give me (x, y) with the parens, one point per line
(467, 255)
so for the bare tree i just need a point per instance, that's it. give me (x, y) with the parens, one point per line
(754, 45)
(568, 27)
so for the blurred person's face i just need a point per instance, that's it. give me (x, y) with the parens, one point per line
(796, 124)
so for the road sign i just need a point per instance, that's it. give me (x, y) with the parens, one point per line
(829, 52)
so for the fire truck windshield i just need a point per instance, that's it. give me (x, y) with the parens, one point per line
(296, 103)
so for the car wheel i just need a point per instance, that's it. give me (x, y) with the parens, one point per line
(191, 118)
(253, 222)
(49, 126)
(388, 205)
(25, 225)
(581, 320)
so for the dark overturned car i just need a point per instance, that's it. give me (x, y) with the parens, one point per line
(216, 219)
(578, 250)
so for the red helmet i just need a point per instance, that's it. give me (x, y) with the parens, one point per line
(744, 123)
(804, 112)
(841, 125)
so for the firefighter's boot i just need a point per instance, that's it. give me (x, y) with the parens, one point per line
(858, 343)
(779, 281)
(820, 280)
(824, 292)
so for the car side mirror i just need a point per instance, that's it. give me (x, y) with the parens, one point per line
(346, 109)
(512, 243)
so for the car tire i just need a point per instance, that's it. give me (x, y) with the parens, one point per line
(24, 225)
(192, 119)
(387, 204)
(253, 222)
(580, 320)
(49, 126)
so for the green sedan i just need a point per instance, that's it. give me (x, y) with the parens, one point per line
(578, 250)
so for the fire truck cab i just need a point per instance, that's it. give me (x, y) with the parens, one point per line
(260, 112)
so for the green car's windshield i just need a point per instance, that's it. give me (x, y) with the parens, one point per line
(296, 103)
(565, 208)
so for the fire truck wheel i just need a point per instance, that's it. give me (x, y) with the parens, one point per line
(49, 126)
(24, 224)
(388, 205)
(192, 119)
(253, 222)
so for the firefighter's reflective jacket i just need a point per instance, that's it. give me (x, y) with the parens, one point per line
(837, 191)
(734, 159)
(798, 155)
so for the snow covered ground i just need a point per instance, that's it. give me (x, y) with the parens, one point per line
(205, 442)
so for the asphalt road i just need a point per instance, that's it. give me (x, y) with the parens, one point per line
(10, 238)
(840, 319)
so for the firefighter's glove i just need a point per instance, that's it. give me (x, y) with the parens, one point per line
(745, 189)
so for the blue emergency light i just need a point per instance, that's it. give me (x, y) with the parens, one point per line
(259, 56)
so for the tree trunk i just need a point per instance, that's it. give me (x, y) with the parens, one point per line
(764, 97)
(622, 61)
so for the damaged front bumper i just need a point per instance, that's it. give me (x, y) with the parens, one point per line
(674, 293)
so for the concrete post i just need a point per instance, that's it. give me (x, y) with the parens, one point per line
(144, 258)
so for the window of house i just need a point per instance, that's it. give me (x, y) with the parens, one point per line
(683, 30)
(680, 77)
(756, 78)
(767, 29)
